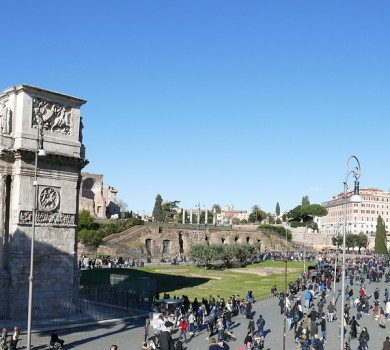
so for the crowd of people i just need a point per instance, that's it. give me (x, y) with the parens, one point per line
(213, 314)
(310, 306)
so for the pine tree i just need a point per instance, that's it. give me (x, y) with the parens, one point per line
(380, 237)
(158, 211)
(277, 210)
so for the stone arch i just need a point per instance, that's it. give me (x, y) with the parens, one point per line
(236, 238)
(222, 240)
(248, 239)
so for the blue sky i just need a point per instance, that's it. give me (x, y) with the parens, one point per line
(229, 102)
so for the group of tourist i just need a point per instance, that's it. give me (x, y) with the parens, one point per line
(308, 310)
(11, 343)
(213, 314)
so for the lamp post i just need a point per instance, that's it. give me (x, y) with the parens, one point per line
(334, 279)
(285, 305)
(39, 151)
(355, 198)
(286, 232)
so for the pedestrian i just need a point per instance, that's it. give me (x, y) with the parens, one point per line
(183, 328)
(354, 325)
(324, 334)
(14, 339)
(364, 337)
(331, 310)
(386, 344)
(260, 324)
(317, 343)
(146, 329)
(248, 340)
(251, 325)
(220, 329)
(213, 345)
(191, 322)
(114, 347)
(165, 339)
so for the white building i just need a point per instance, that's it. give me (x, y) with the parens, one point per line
(360, 217)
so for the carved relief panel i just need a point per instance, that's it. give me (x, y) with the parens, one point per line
(48, 211)
(55, 117)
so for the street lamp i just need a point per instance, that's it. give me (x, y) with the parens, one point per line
(355, 198)
(38, 152)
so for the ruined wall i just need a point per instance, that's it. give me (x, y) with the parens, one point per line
(169, 242)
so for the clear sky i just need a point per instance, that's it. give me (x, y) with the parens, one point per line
(223, 101)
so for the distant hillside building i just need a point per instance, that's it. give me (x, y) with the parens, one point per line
(361, 217)
(228, 213)
(97, 198)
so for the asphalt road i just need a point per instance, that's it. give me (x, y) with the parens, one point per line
(128, 334)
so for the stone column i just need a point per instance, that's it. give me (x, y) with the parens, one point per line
(184, 217)
(206, 217)
(191, 216)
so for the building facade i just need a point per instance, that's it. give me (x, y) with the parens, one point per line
(360, 217)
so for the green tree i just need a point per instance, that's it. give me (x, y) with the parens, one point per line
(217, 208)
(157, 210)
(350, 240)
(257, 214)
(256, 211)
(203, 254)
(380, 237)
(277, 209)
(361, 240)
(86, 221)
(305, 200)
(169, 211)
(307, 212)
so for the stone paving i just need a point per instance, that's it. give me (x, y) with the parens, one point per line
(128, 333)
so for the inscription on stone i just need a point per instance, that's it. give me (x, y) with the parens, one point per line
(45, 218)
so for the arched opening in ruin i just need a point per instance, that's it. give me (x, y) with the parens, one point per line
(236, 238)
(181, 249)
(166, 247)
(247, 239)
(148, 246)
(223, 240)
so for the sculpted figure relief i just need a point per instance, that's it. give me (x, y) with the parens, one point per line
(55, 117)
(5, 119)
(49, 199)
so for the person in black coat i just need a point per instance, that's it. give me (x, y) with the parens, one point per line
(165, 339)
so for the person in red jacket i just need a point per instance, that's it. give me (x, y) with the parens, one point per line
(183, 326)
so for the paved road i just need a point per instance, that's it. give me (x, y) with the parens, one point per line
(128, 334)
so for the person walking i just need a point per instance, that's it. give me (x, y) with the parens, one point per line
(354, 325)
(251, 325)
(165, 339)
(331, 310)
(324, 333)
(386, 344)
(260, 325)
(364, 337)
(183, 326)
